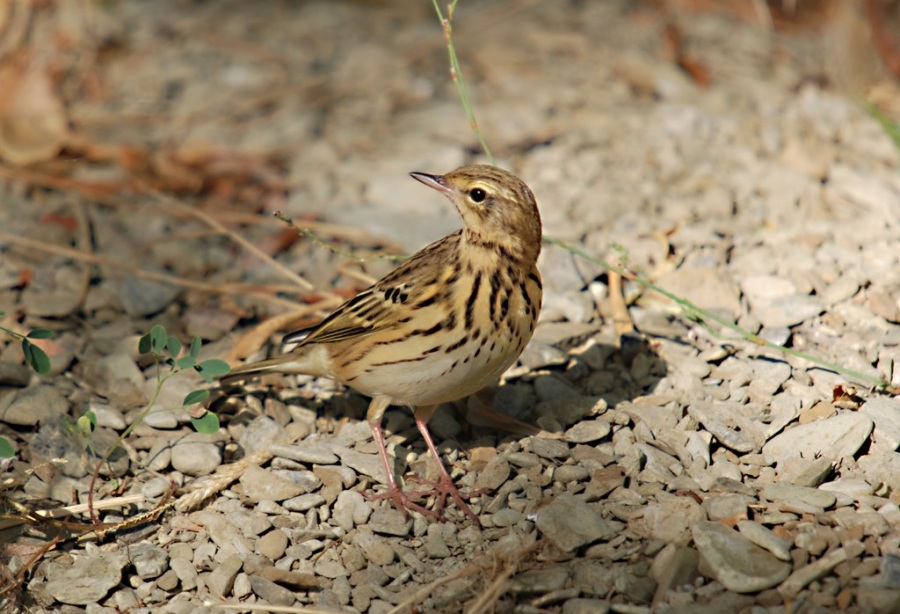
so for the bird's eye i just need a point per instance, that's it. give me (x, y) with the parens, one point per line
(477, 195)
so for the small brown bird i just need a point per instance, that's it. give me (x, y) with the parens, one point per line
(444, 324)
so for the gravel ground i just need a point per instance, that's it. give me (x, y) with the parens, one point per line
(680, 468)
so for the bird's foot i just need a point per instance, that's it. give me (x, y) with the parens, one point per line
(403, 502)
(444, 488)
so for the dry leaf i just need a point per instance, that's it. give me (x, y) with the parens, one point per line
(33, 125)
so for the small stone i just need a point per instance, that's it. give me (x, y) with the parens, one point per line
(143, 297)
(568, 411)
(798, 580)
(310, 452)
(725, 506)
(273, 544)
(765, 538)
(389, 521)
(186, 572)
(588, 431)
(377, 550)
(570, 523)
(674, 566)
(571, 473)
(435, 544)
(738, 564)
(262, 485)
(87, 580)
(149, 561)
(835, 438)
(330, 565)
(351, 509)
(14, 374)
(506, 517)
(304, 503)
(885, 413)
(197, 454)
(540, 581)
(31, 406)
(580, 605)
(788, 493)
(260, 433)
(670, 518)
(494, 474)
(549, 448)
(271, 593)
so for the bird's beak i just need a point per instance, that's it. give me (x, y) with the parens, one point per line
(433, 181)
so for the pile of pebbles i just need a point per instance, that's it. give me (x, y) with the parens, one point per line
(680, 469)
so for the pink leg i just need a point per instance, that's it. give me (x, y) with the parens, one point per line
(400, 499)
(445, 486)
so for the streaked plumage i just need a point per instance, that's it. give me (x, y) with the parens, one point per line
(444, 324)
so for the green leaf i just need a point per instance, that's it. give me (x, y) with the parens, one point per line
(40, 333)
(174, 345)
(86, 423)
(195, 396)
(186, 362)
(158, 338)
(144, 344)
(196, 344)
(208, 423)
(6, 448)
(36, 358)
(212, 368)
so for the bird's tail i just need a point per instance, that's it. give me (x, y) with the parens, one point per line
(295, 362)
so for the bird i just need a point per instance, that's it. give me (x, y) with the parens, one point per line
(447, 322)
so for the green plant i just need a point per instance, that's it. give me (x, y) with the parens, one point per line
(166, 349)
(36, 358)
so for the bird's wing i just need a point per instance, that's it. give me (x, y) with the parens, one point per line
(386, 304)
(364, 314)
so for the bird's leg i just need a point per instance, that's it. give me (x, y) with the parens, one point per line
(445, 486)
(374, 415)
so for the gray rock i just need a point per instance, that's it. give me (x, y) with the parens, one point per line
(569, 523)
(733, 560)
(539, 581)
(186, 572)
(549, 448)
(271, 593)
(197, 454)
(765, 538)
(330, 565)
(14, 374)
(149, 561)
(389, 521)
(801, 577)
(835, 438)
(31, 406)
(87, 580)
(580, 605)
(304, 503)
(143, 297)
(260, 434)
(670, 518)
(788, 493)
(262, 485)
(377, 550)
(221, 580)
(310, 452)
(725, 506)
(351, 509)
(494, 474)
(588, 431)
(885, 413)
(674, 566)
